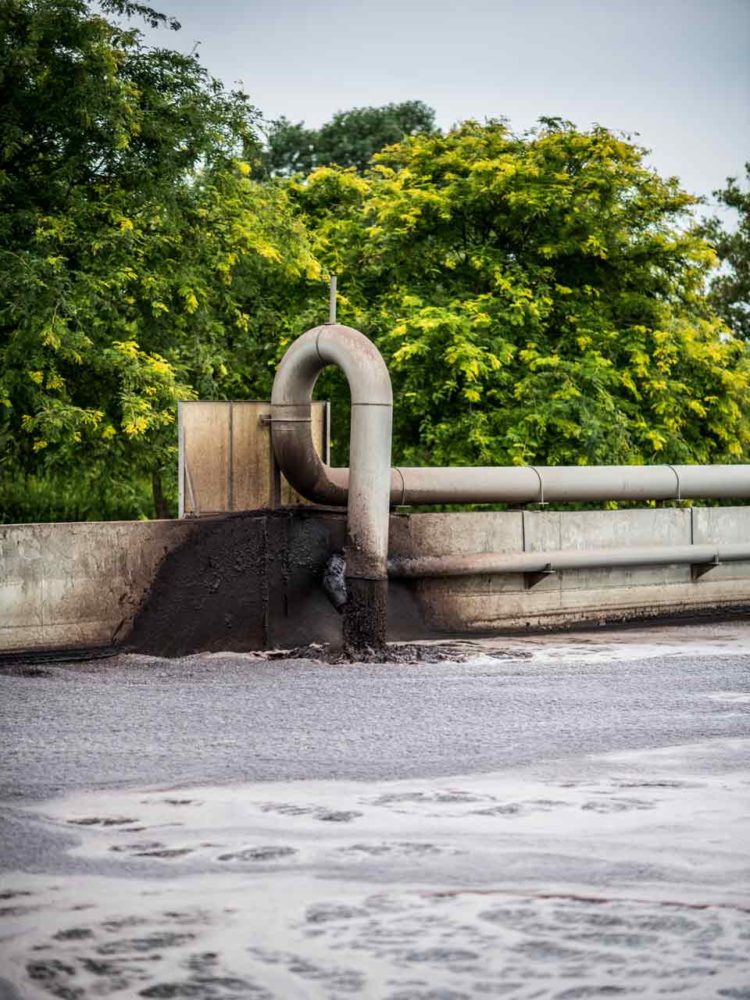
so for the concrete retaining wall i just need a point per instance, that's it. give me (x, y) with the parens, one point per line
(78, 584)
(252, 581)
(487, 603)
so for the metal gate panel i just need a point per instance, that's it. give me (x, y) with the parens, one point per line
(226, 462)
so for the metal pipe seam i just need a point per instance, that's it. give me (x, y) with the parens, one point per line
(679, 485)
(541, 484)
(513, 484)
(490, 563)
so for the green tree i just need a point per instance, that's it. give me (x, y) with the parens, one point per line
(538, 298)
(730, 289)
(139, 261)
(349, 140)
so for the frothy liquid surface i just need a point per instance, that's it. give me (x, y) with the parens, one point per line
(572, 823)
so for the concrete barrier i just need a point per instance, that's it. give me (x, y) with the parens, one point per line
(78, 584)
(494, 603)
(252, 580)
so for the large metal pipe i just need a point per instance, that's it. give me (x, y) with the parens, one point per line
(320, 483)
(370, 486)
(367, 495)
(511, 484)
(520, 484)
(486, 563)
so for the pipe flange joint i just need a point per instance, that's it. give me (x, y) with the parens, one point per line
(400, 475)
(541, 501)
(677, 477)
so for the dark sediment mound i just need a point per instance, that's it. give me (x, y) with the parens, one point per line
(394, 652)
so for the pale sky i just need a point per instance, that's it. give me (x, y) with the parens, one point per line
(675, 71)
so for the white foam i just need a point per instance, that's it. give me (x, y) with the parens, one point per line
(593, 873)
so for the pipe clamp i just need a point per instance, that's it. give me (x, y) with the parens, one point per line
(541, 501)
(677, 477)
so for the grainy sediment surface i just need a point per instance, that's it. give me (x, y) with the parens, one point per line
(557, 817)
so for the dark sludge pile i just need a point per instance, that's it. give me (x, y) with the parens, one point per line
(392, 652)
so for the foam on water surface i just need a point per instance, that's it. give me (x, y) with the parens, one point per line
(618, 875)
(604, 851)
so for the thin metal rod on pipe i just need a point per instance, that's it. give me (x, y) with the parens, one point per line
(332, 301)
(489, 563)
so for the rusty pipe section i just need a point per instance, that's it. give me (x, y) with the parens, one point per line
(366, 485)
(490, 563)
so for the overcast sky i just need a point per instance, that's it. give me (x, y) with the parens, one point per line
(675, 71)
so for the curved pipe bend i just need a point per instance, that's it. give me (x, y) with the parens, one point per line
(365, 487)
(370, 386)
(372, 398)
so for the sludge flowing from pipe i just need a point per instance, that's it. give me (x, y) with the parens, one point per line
(368, 487)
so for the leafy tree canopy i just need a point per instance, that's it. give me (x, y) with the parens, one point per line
(139, 263)
(730, 289)
(349, 140)
(538, 298)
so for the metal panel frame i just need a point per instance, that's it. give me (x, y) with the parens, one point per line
(275, 491)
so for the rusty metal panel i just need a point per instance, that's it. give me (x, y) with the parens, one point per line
(251, 467)
(226, 461)
(204, 433)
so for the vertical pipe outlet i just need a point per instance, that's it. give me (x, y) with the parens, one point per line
(369, 485)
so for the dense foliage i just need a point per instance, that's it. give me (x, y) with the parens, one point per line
(730, 289)
(139, 262)
(350, 139)
(539, 298)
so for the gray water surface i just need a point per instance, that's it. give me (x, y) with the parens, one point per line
(135, 720)
(568, 822)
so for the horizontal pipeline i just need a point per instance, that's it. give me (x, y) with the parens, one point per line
(513, 484)
(487, 563)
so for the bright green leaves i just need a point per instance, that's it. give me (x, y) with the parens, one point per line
(730, 288)
(348, 140)
(140, 261)
(538, 298)
(148, 387)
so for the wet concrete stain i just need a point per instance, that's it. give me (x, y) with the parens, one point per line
(241, 582)
(255, 581)
(365, 618)
(208, 593)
